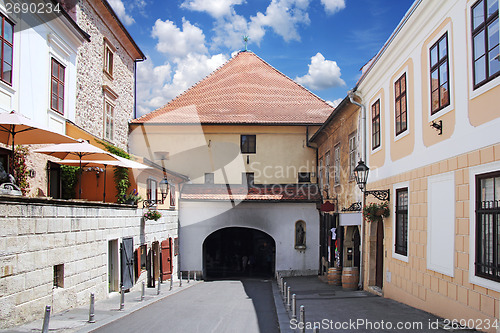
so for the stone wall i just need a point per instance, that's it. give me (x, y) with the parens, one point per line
(91, 78)
(36, 235)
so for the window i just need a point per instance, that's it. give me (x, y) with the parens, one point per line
(57, 87)
(401, 246)
(485, 41)
(352, 154)
(172, 196)
(400, 104)
(487, 264)
(59, 276)
(327, 169)
(108, 59)
(304, 177)
(109, 122)
(376, 124)
(7, 40)
(440, 92)
(248, 144)
(248, 178)
(320, 172)
(209, 178)
(336, 164)
(152, 189)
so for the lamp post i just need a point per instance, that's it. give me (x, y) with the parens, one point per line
(164, 187)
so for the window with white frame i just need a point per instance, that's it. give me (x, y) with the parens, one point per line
(108, 59)
(151, 189)
(336, 166)
(109, 120)
(401, 227)
(440, 90)
(352, 154)
(57, 86)
(376, 124)
(487, 261)
(7, 46)
(327, 169)
(485, 40)
(400, 105)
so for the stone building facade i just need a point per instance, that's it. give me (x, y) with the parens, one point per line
(105, 73)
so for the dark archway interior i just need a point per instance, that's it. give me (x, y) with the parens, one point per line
(239, 252)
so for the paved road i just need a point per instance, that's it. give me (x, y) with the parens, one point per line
(245, 305)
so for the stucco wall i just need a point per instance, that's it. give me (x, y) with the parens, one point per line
(35, 237)
(199, 219)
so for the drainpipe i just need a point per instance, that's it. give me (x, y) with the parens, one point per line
(351, 95)
(308, 145)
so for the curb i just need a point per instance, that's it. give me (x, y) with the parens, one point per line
(283, 318)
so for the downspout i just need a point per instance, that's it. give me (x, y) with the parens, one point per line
(351, 95)
(308, 145)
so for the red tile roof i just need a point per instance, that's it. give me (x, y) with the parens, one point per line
(276, 192)
(245, 90)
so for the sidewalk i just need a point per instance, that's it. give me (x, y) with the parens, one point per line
(106, 311)
(338, 310)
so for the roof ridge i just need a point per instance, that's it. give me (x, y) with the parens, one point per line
(290, 79)
(188, 89)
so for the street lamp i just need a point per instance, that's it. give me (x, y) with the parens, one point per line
(164, 186)
(361, 175)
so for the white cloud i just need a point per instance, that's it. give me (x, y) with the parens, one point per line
(157, 85)
(333, 6)
(229, 32)
(283, 16)
(335, 103)
(119, 9)
(322, 74)
(175, 42)
(215, 8)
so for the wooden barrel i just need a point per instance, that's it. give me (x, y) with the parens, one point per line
(350, 278)
(334, 276)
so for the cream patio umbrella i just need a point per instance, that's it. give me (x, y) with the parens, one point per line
(120, 162)
(17, 129)
(82, 150)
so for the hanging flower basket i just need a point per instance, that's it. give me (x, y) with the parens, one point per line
(152, 214)
(375, 212)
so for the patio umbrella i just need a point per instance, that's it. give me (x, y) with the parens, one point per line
(83, 150)
(17, 129)
(120, 162)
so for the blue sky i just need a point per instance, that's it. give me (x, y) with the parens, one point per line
(322, 44)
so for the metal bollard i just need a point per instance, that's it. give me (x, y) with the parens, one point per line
(194, 278)
(159, 284)
(316, 328)
(288, 299)
(302, 319)
(122, 298)
(91, 310)
(281, 284)
(294, 306)
(284, 293)
(46, 318)
(189, 273)
(142, 290)
(171, 282)
(180, 279)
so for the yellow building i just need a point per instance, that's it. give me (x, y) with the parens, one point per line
(241, 136)
(431, 97)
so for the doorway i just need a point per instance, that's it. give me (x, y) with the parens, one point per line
(239, 252)
(113, 269)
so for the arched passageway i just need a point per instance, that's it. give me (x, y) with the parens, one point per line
(238, 252)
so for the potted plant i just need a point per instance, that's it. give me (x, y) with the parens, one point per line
(374, 211)
(132, 198)
(152, 214)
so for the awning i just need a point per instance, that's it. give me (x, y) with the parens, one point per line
(347, 219)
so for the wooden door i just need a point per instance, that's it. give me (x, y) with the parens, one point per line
(166, 259)
(379, 278)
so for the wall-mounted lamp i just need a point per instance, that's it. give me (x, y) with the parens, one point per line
(438, 126)
(164, 187)
(361, 174)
